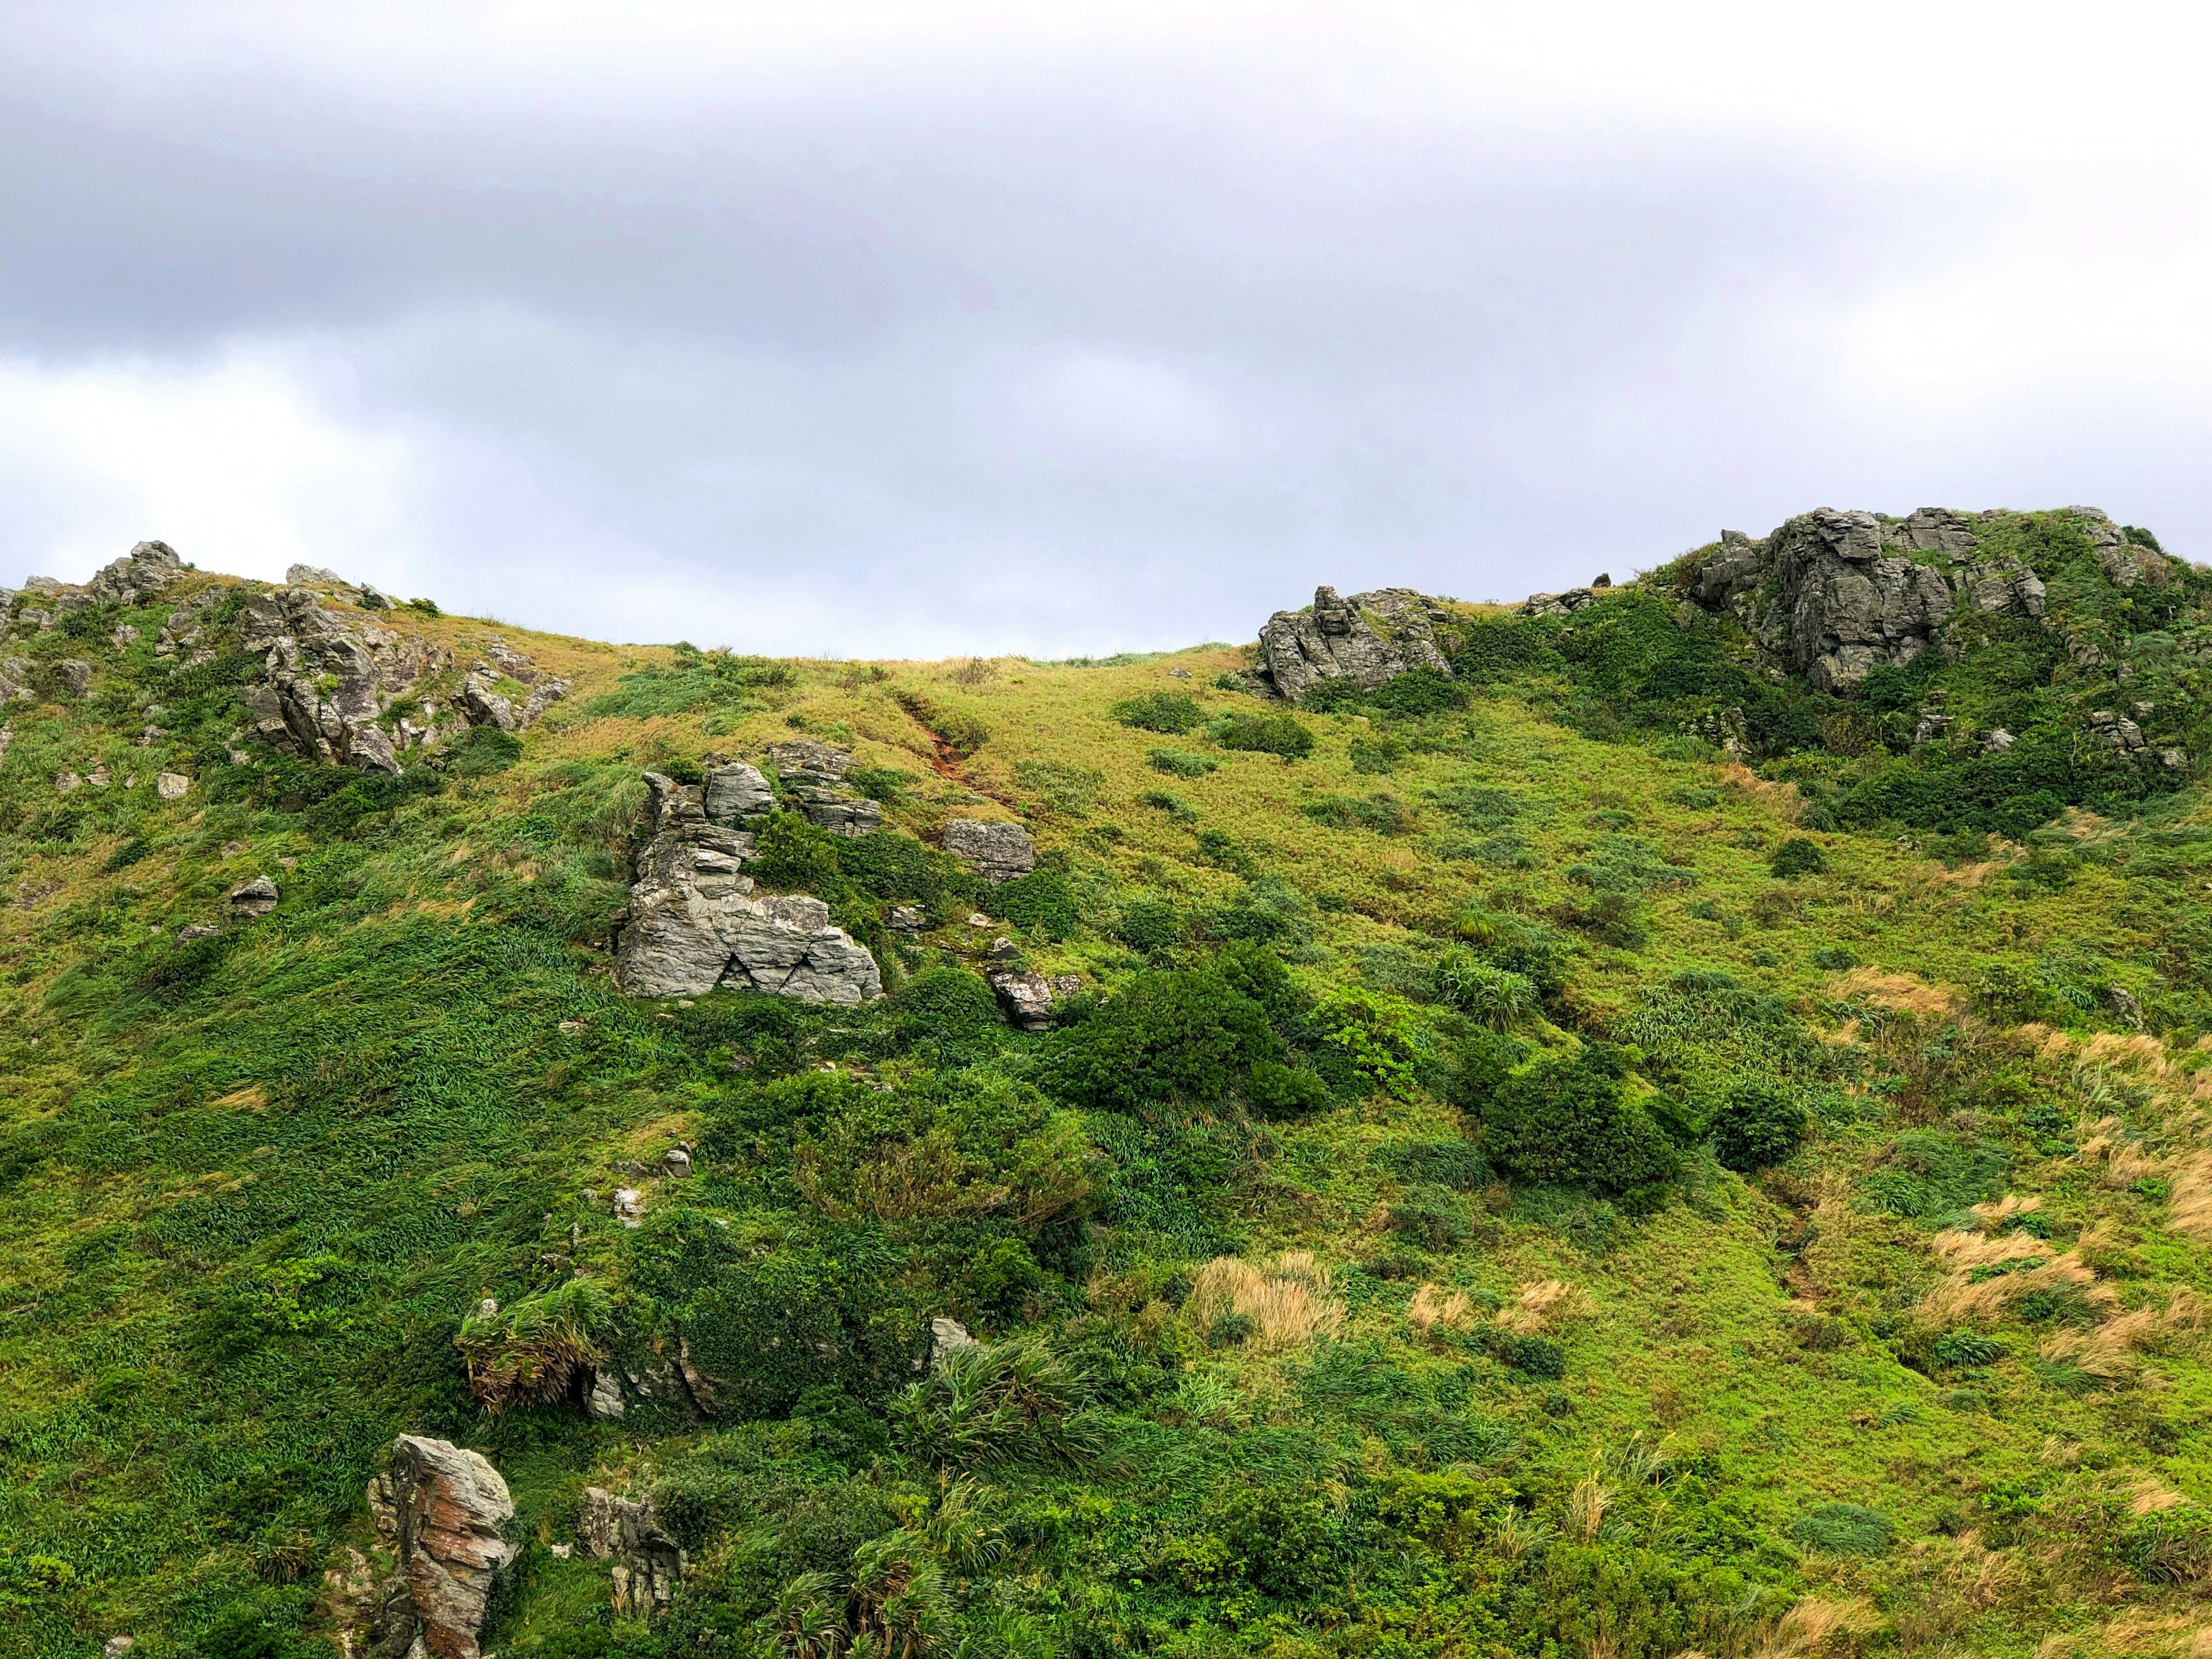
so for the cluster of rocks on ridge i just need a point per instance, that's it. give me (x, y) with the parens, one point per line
(694, 922)
(1833, 595)
(1369, 640)
(329, 679)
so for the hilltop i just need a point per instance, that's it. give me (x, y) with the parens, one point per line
(1665, 1117)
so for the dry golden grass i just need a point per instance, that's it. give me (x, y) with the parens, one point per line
(1782, 797)
(1543, 1304)
(1899, 992)
(1811, 1625)
(2106, 1352)
(1959, 1298)
(1433, 1308)
(2004, 1209)
(1286, 1301)
(2188, 1201)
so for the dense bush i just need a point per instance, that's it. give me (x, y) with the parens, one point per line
(1173, 713)
(1040, 902)
(1797, 856)
(1757, 1124)
(1570, 1122)
(1179, 1034)
(1265, 734)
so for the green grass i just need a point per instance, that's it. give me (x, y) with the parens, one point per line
(1342, 992)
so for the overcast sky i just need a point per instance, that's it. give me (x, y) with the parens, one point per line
(921, 328)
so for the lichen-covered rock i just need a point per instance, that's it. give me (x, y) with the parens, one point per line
(450, 1507)
(74, 675)
(995, 850)
(736, 791)
(325, 683)
(1025, 997)
(647, 1562)
(256, 897)
(694, 924)
(812, 774)
(480, 700)
(1369, 639)
(1833, 596)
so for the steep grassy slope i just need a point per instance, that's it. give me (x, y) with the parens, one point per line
(1476, 1205)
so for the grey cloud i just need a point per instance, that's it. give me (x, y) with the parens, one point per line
(1102, 361)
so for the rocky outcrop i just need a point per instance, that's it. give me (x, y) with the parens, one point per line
(448, 1508)
(325, 683)
(1026, 997)
(647, 1563)
(1833, 596)
(1369, 639)
(256, 897)
(737, 792)
(137, 576)
(812, 775)
(694, 924)
(479, 700)
(994, 850)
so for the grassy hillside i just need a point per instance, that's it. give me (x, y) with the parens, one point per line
(1516, 1179)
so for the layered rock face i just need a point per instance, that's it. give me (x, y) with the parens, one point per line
(443, 1511)
(327, 684)
(996, 851)
(1836, 595)
(648, 1563)
(1369, 639)
(694, 923)
(813, 775)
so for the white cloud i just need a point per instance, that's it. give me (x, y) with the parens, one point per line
(232, 463)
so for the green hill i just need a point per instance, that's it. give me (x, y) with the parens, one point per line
(1663, 1118)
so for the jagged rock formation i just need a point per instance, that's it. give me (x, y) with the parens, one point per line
(648, 1563)
(1833, 595)
(442, 1511)
(1369, 638)
(366, 669)
(694, 923)
(1026, 997)
(994, 850)
(812, 774)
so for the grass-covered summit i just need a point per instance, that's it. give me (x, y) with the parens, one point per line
(1625, 1140)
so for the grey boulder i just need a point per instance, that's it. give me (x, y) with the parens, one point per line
(1369, 639)
(996, 850)
(736, 791)
(256, 897)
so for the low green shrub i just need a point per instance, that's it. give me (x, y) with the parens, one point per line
(1758, 1125)
(1181, 763)
(1844, 1530)
(1569, 1122)
(1265, 735)
(1797, 856)
(1172, 712)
